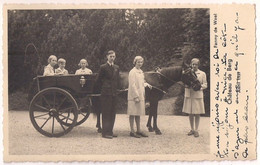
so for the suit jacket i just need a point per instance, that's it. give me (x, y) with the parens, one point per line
(189, 92)
(108, 79)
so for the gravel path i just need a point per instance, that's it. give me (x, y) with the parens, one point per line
(84, 139)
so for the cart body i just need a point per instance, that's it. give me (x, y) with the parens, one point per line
(71, 83)
(58, 103)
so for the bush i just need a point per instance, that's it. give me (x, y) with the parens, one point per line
(18, 101)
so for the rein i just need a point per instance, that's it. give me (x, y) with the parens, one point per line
(159, 89)
(174, 82)
(166, 77)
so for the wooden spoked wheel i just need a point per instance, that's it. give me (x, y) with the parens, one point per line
(53, 112)
(84, 111)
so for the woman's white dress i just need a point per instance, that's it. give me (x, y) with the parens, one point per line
(193, 100)
(136, 89)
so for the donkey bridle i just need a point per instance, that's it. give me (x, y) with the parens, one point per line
(174, 82)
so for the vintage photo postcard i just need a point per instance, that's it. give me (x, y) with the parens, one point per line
(129, 82)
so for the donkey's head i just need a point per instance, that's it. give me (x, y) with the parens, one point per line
(190, 78)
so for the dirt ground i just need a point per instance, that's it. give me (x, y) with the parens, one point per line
(84, 139)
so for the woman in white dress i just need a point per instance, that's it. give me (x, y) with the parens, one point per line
(136, 97)
(193, 100)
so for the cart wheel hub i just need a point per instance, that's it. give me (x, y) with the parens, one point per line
(53, 112)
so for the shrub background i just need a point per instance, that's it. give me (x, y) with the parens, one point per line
(164, 37)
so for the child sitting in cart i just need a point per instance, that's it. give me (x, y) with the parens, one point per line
(61, 69)
(49, 69)
(83, 68)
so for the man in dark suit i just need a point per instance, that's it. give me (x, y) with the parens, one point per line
(108, 80)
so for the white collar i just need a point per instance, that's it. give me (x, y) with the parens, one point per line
(138, 70)
(111, 64)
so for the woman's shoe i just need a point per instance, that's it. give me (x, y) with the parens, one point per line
(141, 134)
(133, 134)
(190, 133)
(196, 134)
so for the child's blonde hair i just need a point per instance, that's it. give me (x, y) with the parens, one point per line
(61, 61)
(51, 57)
(82, 61)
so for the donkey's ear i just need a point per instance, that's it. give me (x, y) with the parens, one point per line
(157, 69)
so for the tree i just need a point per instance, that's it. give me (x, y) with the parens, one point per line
(162, 36)
(24, 27)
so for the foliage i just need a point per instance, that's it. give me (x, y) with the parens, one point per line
(18, 100)
(161, 36)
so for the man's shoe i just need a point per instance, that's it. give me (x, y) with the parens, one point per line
(107, 136)
(114, 135)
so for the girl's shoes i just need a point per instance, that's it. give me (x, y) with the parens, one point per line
(196, 134)
(133, 134)
(191, 133)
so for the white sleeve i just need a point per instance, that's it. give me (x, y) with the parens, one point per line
(66, 72)
(48, 72)
(204, 83)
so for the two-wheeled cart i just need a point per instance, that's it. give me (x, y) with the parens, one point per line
(59, 103)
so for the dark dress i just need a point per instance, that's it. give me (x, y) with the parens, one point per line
(108, 83)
